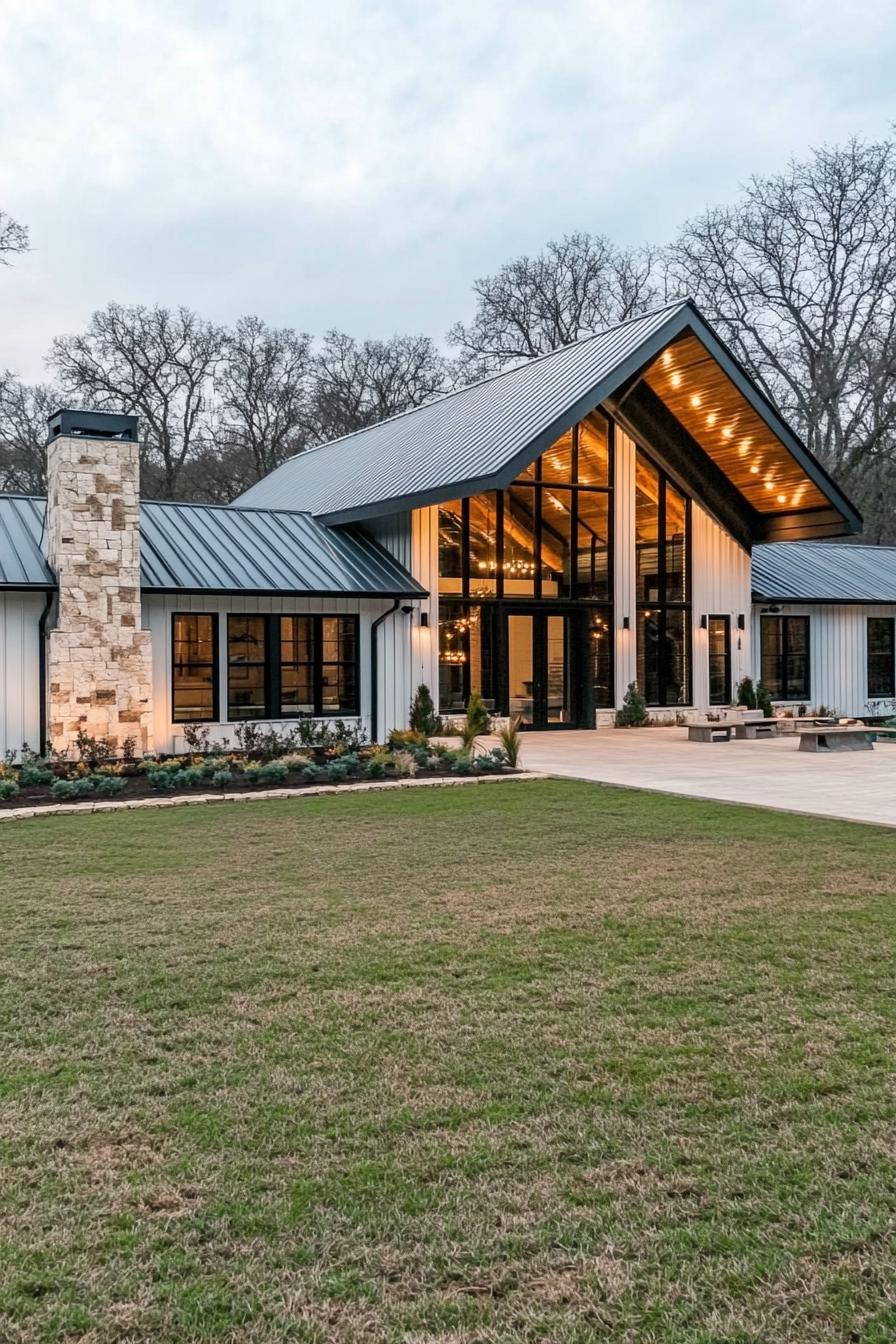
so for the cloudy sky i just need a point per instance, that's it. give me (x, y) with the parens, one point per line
(357, 164)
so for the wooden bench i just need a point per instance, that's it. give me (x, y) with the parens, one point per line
(709, 732)
(837, 739)
(750, 729)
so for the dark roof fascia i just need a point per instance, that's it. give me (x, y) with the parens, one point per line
(589, 401)
(773, 418)
(826, 601)
(29, 587)
(414, 594)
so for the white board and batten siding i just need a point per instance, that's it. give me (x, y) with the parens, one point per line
(409, 650)
(20, 670)
(720, 586)
(159, 609)
(838, 655)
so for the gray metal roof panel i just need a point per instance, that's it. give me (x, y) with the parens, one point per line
(22, 551)
(816, 571)
(218, 548)
(474, 433)
(480, 436)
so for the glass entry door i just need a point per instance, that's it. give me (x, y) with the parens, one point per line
(538, 669)
(720, 660)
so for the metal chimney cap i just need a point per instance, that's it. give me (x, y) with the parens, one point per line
(93, 425)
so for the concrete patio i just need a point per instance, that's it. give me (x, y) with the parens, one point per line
(858, 786)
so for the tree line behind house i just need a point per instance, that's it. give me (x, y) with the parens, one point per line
(798, 274)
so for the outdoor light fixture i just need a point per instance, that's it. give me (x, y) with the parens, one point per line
(741, 622)
(626, 623)
(704, 622)
(408, 610)
(424, 619)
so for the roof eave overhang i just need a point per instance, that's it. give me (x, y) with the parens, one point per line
(686, 319)
(795, 601)
(411, 594)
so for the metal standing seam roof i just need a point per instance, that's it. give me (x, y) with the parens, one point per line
(479, 437)
(219, 548)
(815, 571)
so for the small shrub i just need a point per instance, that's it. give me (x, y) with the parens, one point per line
(221, 778)
(107, 786)
(294, 760)
(462, 764)
(764, 700)
(8, 789)
(633, 713)
(190, 777)
(746, 694)
(423, 718)
(404, 764)
(511, 742)
(406, 737)
(375, 769)
(35, 772)
(66, 789)
(163, 781)
(313, 773)
(197, 738)
(94, 751)
(275, 772)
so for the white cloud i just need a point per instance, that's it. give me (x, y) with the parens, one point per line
(358, 164)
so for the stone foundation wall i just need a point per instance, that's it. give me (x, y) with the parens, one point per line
(99, 659)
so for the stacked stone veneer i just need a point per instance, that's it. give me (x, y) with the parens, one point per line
(99, 660)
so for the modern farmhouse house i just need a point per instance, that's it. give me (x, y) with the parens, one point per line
(544, 537)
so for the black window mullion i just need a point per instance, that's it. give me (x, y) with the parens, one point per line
(499, 542)
(465, 547)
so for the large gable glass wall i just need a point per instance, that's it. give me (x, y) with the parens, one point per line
(545, 542)
(663, 579)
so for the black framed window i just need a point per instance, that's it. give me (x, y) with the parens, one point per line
(547, 536)
(784, 656)
(296, 663)
(881, 657)
(247, 667)
(336, 664)
(663, 586)
(194, 667)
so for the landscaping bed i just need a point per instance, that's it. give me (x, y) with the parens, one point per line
(45, 783)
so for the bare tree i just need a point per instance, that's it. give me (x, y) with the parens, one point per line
(800, 278)
(358, 383)
(571, 289)
(13, 238)
(158, 362)
(264, 387)
(24, 411)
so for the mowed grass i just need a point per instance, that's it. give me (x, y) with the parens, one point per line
(527, 1062)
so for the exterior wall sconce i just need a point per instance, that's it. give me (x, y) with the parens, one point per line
(626, 623)
(741, 622)
(424, 619)
(704, 622)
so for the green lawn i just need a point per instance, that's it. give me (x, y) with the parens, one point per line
(526, 1062)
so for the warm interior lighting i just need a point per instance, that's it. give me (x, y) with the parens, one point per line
(667, 358)
(675, 380)
(782, 499)
(728, 432)
(711, 419)
(755, 470)
(696, 399)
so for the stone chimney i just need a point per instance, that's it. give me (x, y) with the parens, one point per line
(99, 660)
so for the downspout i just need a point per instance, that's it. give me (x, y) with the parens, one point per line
(374, 668)
(42, 667)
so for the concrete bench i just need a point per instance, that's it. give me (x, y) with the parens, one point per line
(750, 729)
(709, 732)
(837, 739)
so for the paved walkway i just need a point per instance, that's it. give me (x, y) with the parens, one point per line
(854, 786)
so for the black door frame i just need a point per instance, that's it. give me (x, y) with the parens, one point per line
(576, 667)
(726, 621)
